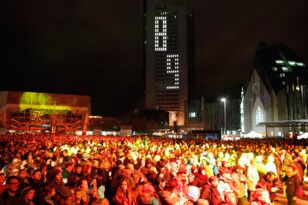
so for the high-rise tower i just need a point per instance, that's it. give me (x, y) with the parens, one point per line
(169, 57)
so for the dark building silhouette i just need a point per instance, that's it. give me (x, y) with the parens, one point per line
(215, 115)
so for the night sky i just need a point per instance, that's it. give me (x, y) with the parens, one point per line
(95, 47)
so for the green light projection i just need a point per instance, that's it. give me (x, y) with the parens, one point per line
(41, 101)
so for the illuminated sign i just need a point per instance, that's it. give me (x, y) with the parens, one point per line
(160, 44)
(160, 33)
(173, 67)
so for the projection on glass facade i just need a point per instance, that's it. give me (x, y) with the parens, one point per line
(169, 57)
(44, 112)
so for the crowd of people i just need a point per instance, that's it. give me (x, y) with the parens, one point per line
(67, 169)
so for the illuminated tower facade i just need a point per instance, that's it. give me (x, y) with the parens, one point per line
(169, 57)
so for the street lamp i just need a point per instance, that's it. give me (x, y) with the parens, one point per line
(225, 114)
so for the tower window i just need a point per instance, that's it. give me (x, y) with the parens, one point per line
(279, 62)
(285, 69)
(192, 114)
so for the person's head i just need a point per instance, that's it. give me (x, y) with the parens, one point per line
(69, 166)
(213, 180)
(78, 168)
(28, 193)
(182, 175)
(83, 184)
(252, 162)
(202, 170)
(230, 198)
(226, 177)
(127, 172)
(30, 157)
(100, 202)
(202, 202)
(174, 167)
(95, 164)
(22, 174)
(50, 190)
(56, 176)
(130, 166)
(239, 169)
(66, 195)
(271, 176)
(148, 188)
(12, 183)
(171, 185)
(148, 163)
(291, 170)
(37, 175)
(124, 184)
(64, 153)
(87, 169)
(2, 177)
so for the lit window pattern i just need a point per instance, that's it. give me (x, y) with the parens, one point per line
(274, 68)
(259, 115)
(280, 62)
(172, 87)
(192, 114)
(294, 63)
(285, 69)
(297, 88)
(242, 110)
(173, 68)
(160, 29)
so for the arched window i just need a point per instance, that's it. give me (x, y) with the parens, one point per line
(259, 115)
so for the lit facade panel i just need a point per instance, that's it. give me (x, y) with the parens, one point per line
(32, 111)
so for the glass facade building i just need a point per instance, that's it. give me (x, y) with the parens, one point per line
(277, 91)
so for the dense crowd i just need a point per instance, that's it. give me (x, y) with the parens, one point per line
(68, 169)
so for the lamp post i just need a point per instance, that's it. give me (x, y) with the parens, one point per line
(225, 114)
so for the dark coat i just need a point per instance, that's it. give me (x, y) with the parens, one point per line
(6, 199)
(293, 184)
(39, 191)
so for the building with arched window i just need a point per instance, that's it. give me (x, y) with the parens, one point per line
(275, 98)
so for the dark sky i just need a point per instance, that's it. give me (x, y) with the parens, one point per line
(95, 47)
